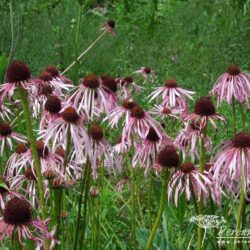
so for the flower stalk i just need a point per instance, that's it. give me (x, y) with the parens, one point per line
(160, 211)
(25, 104)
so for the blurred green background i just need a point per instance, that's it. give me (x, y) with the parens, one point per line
(193, 41)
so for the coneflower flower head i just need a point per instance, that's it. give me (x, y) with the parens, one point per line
(30, 174)
(241, 140)
(42, 150)
(109, 83)
(70, 115)
(52, 70)
(137, 112)
(5, 129)
(152, 135)
(128, 103)
(168, 157)
(17, 212)
(204, 106)
(234, 84)
(18, 72)
(204, 112)
(96, 133)
(171, 83)
(53, 105)
(91, 81)
(187, 167)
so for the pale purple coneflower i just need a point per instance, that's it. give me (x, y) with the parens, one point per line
(11, 168)
(204, 112)
(172, 95)
(110, 86)
(139, 123)
(59, 82)
(5, 112)
(118, 112)
(215, 190)
(17, 217)
(52, 108)
(68, 122)
(6, 192)
(188, 138)
(27, 183)
(109, 26)
(18, 75)
(147, 73)
(163, 112)
(187, 179)
(7, 135)
(101, 149)
(89, 96)
(46, 157)
(120, 147)
(146, 152)
(127, 86)
(234, 84)
(233, 162)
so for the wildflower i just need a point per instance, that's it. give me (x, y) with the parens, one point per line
(110, 86)
(172, 95)
(7, 135)
(187, 179)
(146, 152)
(17, 216)
(204, 112)
(168, 157)
(101, 150)
(128, 86)
(14, 159)
(234, 84)
(116, 114)
(5, 191)
(187, 139)
(89, 96)
(139, 122)
(52, 108)
(147, 73)
(18, 75)
(232, 162)
(109, 26)
(68, 122)
(5, 112)
(163, 112)
(59, 82)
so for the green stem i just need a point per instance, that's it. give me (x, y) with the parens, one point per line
(193, 197)
(160, 211)
(25, 104)
(202, 167)
(234, 117)
(240, 214)
(243, 117)
(61, 190)
(85, 205)
(133, 207)
(84, 52)
(16, 245)
(83, 183)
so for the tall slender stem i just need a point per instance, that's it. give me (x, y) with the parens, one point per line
(202, 167)
(16, 245)
(240, 214)
(133, 207)
(84, 52)
(243, 118)
(85, 205)
(234, 117)
(83, 183)
(25, 104)
(160, 211)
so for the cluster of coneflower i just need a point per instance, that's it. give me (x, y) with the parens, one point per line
(65, 147)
